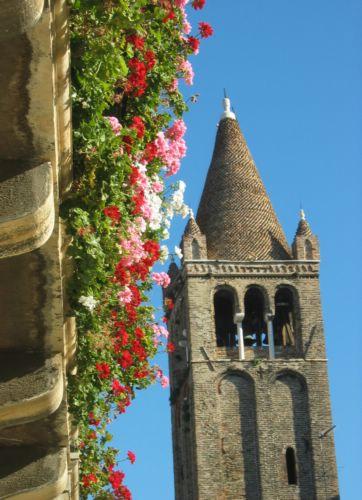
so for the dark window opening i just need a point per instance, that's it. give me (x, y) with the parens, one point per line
(291, 466)
(308, 250)
(224, 319)
(254, 326)
(284, 334)
(195, 247)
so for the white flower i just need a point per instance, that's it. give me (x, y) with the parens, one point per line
(89, 302)
(163, 253)
(165, 234)
(184, 211)
(178, 252)
(177, 200)
(181, 186)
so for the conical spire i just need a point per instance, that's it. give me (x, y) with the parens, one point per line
(235, 213)
(191, 227)
(303, 228)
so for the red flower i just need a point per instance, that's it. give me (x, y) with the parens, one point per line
(153, 249)
(123, 336)
(128, 141)
(165, 319)
(138, 200)
(121, 274)
(138, 350)
(194, 44)
(150, 152)
(141, 374)
(137, 79)
(124, 493)
(136, 295)
(115, 478)
(103, 369)
(135, 174)
(137, 41)
(138, 126)
(205, 30)
(170, 347)
(126, 359)
(131, 456)
(169, 16)
(198, 4)
(118, 388)
(169, 304)
(132, 313)
(122, 405)
(150, 59)
(92, 435)
(139, 333)
(92, 420)
(88, 479)
(112, 212)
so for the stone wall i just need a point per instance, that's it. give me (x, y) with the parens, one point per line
(37, 336)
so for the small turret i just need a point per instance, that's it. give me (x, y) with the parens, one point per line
(193, 242)
(305, 245)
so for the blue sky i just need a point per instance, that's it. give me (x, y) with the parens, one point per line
(293, 71)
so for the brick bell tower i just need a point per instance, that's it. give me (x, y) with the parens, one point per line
(250, 405)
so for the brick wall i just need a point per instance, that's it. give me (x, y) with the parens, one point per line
(243, 415)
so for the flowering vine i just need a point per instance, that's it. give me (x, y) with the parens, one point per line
(127, 59)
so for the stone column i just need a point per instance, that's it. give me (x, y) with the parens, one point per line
(238, 318)
(269, 321)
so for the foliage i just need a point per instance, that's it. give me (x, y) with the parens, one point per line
(126, 58)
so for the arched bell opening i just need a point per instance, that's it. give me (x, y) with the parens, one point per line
(254, 325)
(224, 309)
(284, 320)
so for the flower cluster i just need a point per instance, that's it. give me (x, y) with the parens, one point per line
(127, 145)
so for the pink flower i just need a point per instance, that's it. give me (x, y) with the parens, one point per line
(181, 3)
(186, 68)
(164, 381)
(125, 296)
(173, 86)
(161, 279)
(161, 145)
(157, 187)
(114, 123)
(160, 330)
(186, 26)
(177, 130)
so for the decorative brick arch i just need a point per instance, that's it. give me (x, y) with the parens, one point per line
(292, 429)
(238, 435)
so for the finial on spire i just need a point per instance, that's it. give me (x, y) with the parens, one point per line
(227, 108)
(302, 214)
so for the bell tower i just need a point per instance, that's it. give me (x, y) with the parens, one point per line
(251, 415)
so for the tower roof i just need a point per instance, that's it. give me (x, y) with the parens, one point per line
(235, 212)
(192, 227)
(303, 228)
